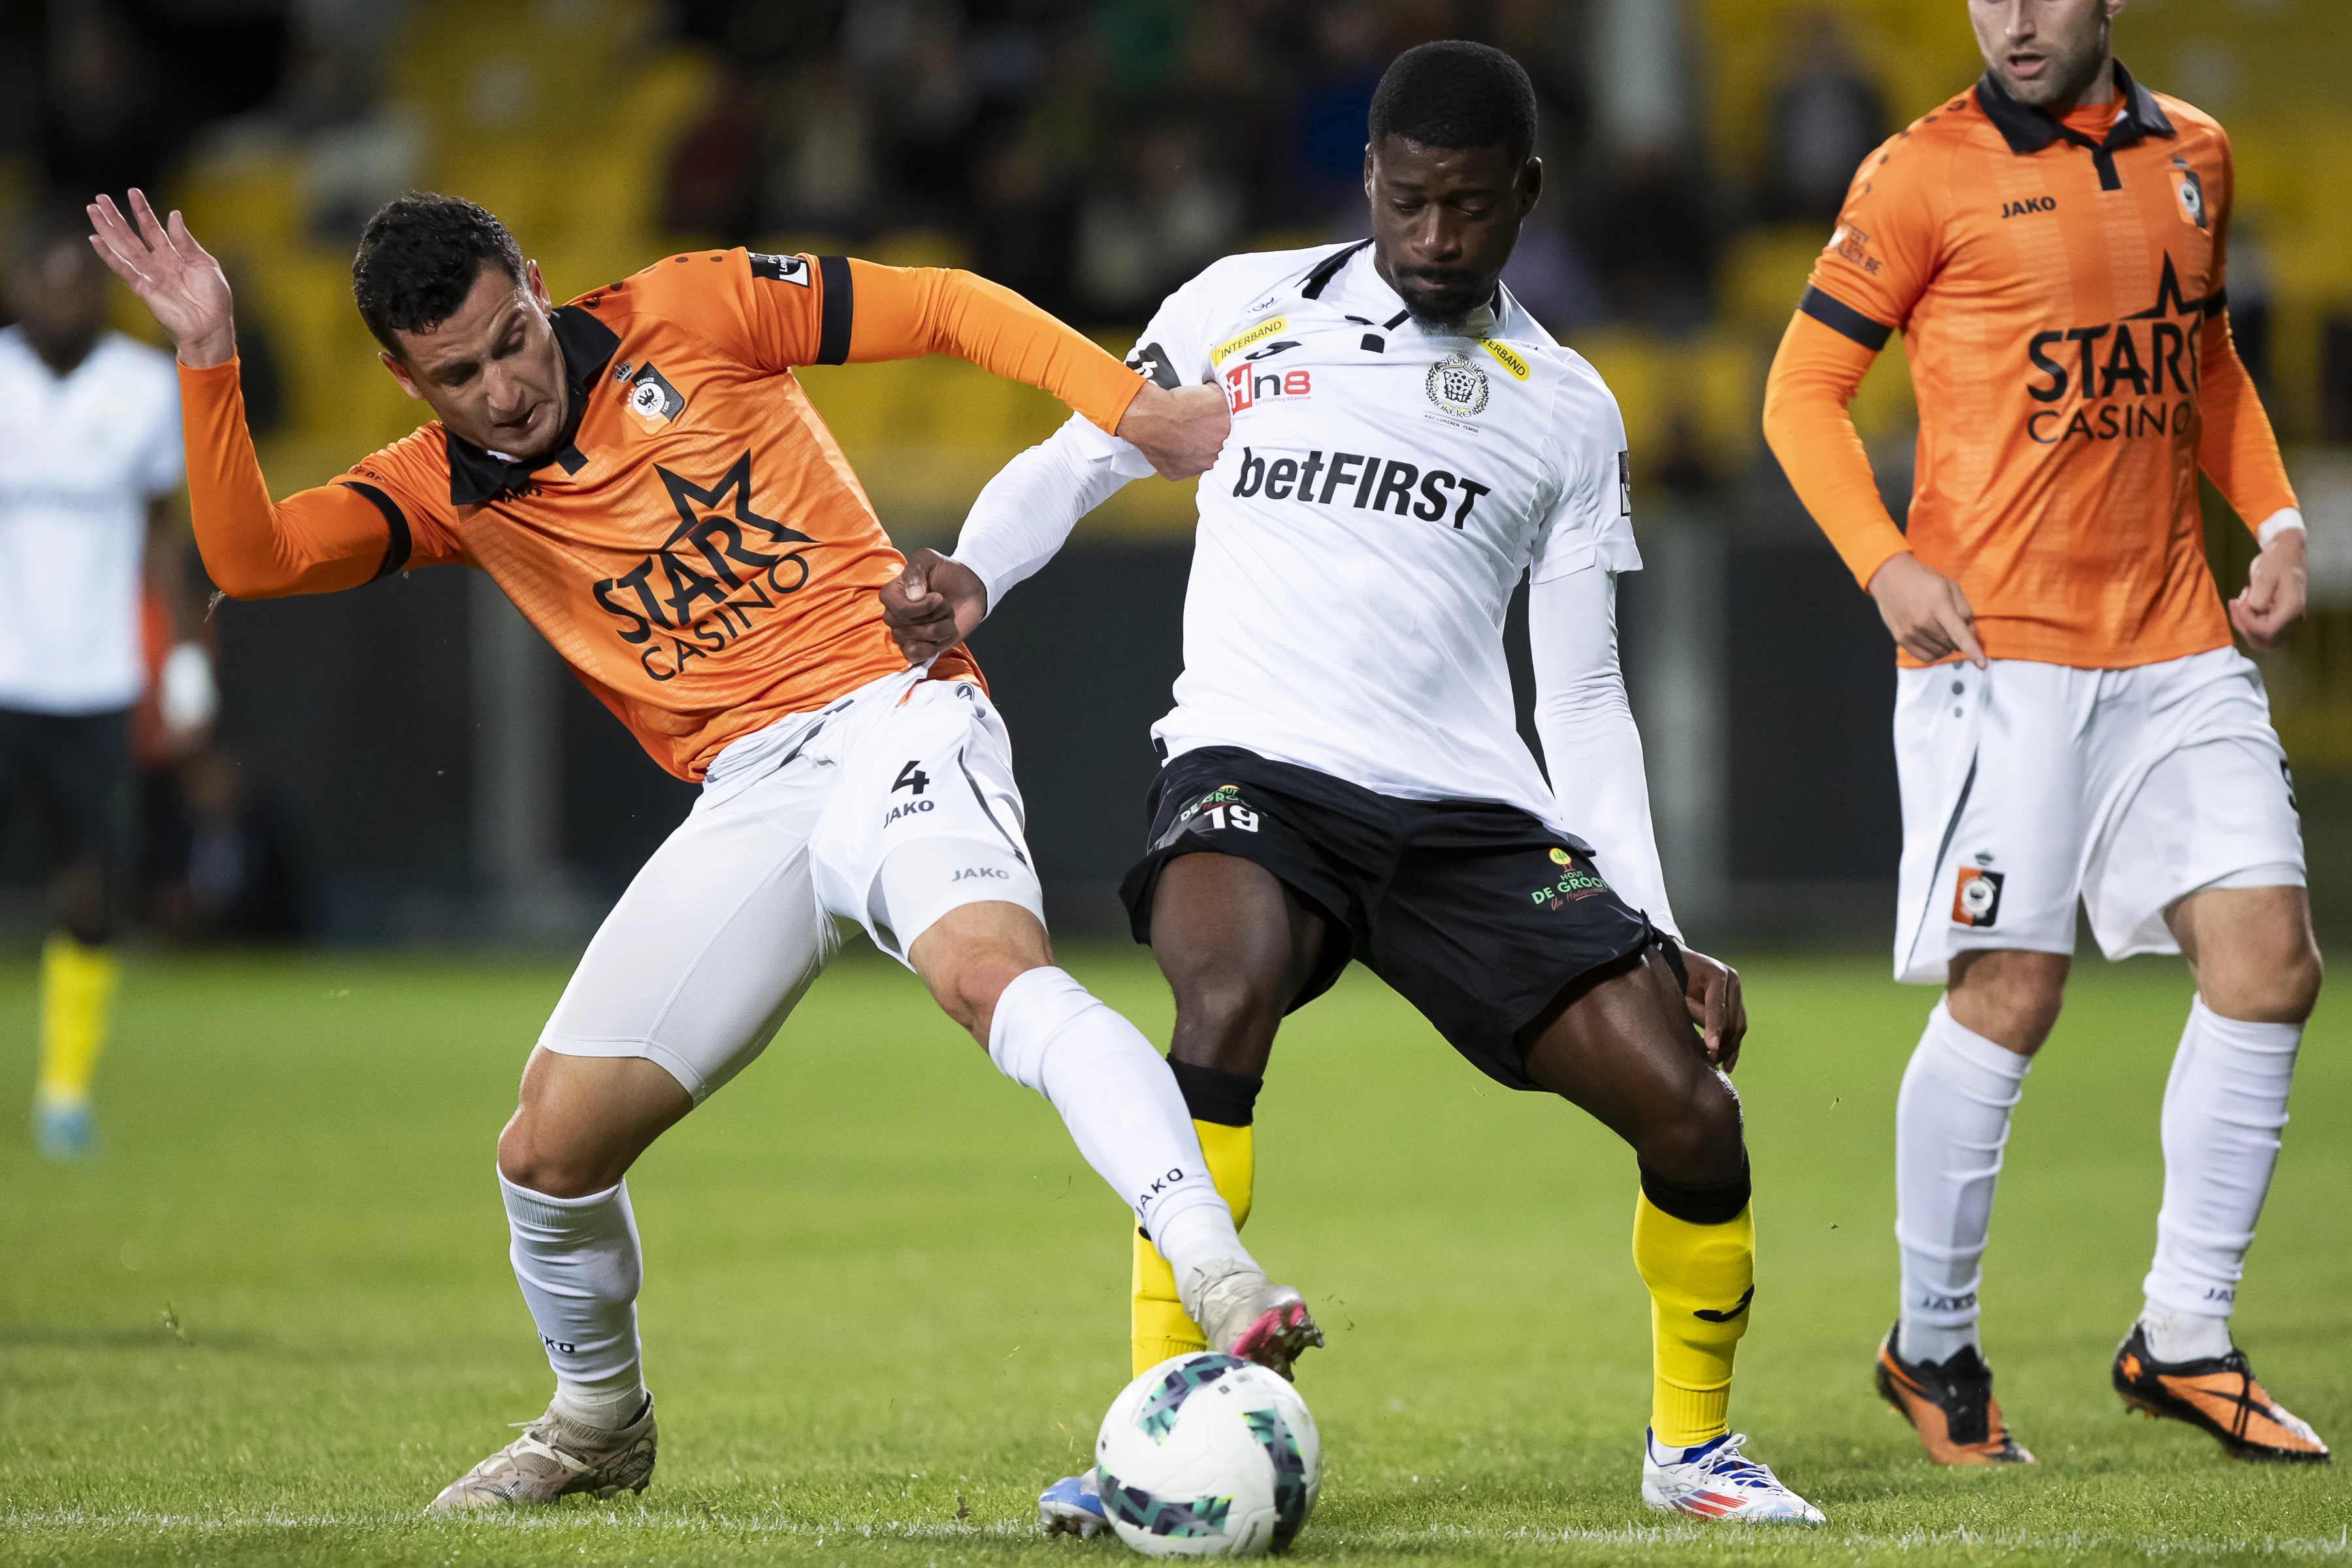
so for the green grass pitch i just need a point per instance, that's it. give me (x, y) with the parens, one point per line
(884, 1301)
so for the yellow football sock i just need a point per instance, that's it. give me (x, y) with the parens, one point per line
(1161, 1327)
(77, 1002)
(1701, 1278)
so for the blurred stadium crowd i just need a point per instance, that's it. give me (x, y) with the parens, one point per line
(1094, 153)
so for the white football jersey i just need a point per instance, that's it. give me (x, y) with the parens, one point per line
(1384, 490)
(81, 456)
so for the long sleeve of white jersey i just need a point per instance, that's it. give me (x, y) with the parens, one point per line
(1026, 513)
(1592, 748)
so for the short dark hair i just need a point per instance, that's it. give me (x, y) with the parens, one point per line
(420, 256)
(1455, 93)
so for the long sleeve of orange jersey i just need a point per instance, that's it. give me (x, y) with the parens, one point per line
(2238, 451)
(904, 312)
(1815, 376)
(311, 543)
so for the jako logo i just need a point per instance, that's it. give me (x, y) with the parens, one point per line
(971, 872)
(2029, 205)
(1246, 384)
(907, 808)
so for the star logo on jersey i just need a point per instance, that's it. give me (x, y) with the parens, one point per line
(1457, 385)
(722, 552)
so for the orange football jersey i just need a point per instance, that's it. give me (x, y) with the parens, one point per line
(698, 548)
(2059, 284)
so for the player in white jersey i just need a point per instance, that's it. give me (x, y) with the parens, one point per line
(1343, 775)
(90, 458)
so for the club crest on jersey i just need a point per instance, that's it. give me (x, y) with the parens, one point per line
(653, 399)
(1976, 901)
(2190, 191)
(1457, 385)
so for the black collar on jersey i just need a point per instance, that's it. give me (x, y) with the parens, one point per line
(588, 345)
(2029, 130)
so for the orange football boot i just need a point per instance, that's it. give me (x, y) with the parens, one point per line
(2219, 1394)
(1949, 1404)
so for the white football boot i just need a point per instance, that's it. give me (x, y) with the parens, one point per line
(1242, 1315)
(554, 1457)
(1715, 1480)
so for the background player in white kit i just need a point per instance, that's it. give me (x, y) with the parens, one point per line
(90, 458)
(1344, 776)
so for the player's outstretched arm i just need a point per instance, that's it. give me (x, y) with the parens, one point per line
(1019, 522)
(323, 539)
(1593, 749)
(902, 312)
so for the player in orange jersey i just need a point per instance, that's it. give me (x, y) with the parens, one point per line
(2071, 719)
(640, 472)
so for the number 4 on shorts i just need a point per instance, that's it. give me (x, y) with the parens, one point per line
(911, 777)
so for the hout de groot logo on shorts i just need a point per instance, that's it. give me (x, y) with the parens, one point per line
(1575, 882)
(721, 552)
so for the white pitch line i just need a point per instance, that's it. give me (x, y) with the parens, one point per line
(1662, 1536)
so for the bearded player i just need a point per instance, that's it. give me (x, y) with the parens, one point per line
(2071, 719)
(1344, 776)
(640, 472)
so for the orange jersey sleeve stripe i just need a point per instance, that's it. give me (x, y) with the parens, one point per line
(904, 312)
(336, 536)
(1814, 375)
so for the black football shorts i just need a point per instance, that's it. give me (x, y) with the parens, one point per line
(1476, 913)
(72, 770)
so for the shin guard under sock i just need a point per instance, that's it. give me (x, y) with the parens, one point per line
(1122, 1108)
(1701, 1271)
(2224, 1107)
(579, 1266)
(1223, 1106)
(77, 1006)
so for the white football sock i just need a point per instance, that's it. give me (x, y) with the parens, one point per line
(2184, 1336)
(1951, 1122)
(2223, 1107)
(579, 1266)
(1123, 1110)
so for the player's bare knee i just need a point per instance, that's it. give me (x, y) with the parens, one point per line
(2011, 998)
(1701, 1142)
(532, 1159)
(1224, 1019)
(2279, 988)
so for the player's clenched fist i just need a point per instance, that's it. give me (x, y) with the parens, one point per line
(176, 277)
(1180, 432)
(1925, 611)
(932, 606)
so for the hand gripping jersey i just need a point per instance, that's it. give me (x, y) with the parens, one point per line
(698, 548)
(2059, 284)
(1383, 490)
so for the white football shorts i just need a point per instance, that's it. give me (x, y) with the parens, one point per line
(2028, 786)
(888, 808)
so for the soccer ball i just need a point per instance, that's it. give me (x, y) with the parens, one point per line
(1208, 1456)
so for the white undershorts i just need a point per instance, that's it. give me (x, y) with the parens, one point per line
(2026, 787)
(888, 808)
